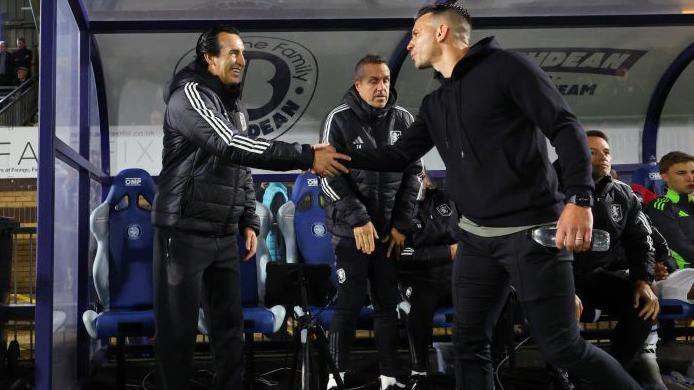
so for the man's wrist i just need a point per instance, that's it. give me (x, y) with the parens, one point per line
(581, 200)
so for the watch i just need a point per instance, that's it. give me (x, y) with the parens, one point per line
(583, 200)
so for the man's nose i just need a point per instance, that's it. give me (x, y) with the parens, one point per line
(410, 45)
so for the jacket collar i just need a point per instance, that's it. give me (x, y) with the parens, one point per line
(676, 197)
(603, 186)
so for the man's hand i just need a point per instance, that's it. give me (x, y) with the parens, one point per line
(453, 249)
(397, 242)
(365, 237)
(326, 161)
(251, 243)
(651, 307)
(660, 271)
(575, 228)
(579, 307)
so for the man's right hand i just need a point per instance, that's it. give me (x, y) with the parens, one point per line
(326, 161)
(365, 237)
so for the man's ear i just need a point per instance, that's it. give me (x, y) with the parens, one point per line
(210, 59)
(441, 32)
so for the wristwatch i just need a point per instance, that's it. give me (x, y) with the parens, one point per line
(584, 200)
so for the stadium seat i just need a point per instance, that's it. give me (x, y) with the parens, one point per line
(122, 267)
(648, 177)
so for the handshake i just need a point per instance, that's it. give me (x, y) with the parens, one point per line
(326, 161)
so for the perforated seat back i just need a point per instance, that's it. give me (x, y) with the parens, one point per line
(130, 240)
(648, 176)
(312, 236)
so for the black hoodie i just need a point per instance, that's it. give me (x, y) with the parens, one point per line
(489, 122)
(386, 199)
(204, 185)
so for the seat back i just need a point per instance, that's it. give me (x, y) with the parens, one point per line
(122, 227)
(274, 197)
(312, 236)
(285, 221)
(648, 176)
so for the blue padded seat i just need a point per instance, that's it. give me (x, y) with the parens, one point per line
(122, 268)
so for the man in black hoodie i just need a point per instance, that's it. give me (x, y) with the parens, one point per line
(364, 206)
(489, 121)
(205, 198)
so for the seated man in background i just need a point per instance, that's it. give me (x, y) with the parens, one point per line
(672, 213)
(626, 293)
(426, 266)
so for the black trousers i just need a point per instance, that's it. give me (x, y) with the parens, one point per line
(353, 268)
(189, 270)
(424, 299)
(543, 279)
(605, 290)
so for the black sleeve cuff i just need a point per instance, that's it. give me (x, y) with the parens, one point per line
(306, 157)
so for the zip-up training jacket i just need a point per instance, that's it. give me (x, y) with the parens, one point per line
(489, 122)
(427, 256)
(618, 211)
(673, 215)
(204, 185)
(388, 199)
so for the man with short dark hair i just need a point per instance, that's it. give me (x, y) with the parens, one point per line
(598, 284)
(363, 206)
(489, 121)
(205, 201)
(7, 72)
(673, 213)
(22, 56)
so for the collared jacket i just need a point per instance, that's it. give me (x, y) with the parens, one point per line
(618, 211)
(388, 199)
(672, 215)
(490, 122)
(427, 258)
(205, 185)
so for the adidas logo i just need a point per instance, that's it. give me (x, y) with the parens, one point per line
(358, 142)
(683, 214)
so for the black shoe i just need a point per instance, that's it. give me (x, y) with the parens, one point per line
(417, 382)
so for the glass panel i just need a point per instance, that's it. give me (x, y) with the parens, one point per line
(94, 129)
(365, 9)
(67, 77)
(607, 76)
(65, 277)
(312, 76)
(676, 131)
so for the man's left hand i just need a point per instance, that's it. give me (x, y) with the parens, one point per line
(397, 242)
(251, 243)
(651, 307)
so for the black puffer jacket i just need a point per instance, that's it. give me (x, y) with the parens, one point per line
(204, 185)
(388, 199)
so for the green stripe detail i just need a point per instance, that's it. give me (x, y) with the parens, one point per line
(683, 214)
(681, 262)
(673, 196)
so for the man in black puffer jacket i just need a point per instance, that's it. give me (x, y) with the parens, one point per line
(364, 206)
(205, 196)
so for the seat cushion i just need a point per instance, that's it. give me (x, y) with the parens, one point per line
(125, 323)
(258, 320)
